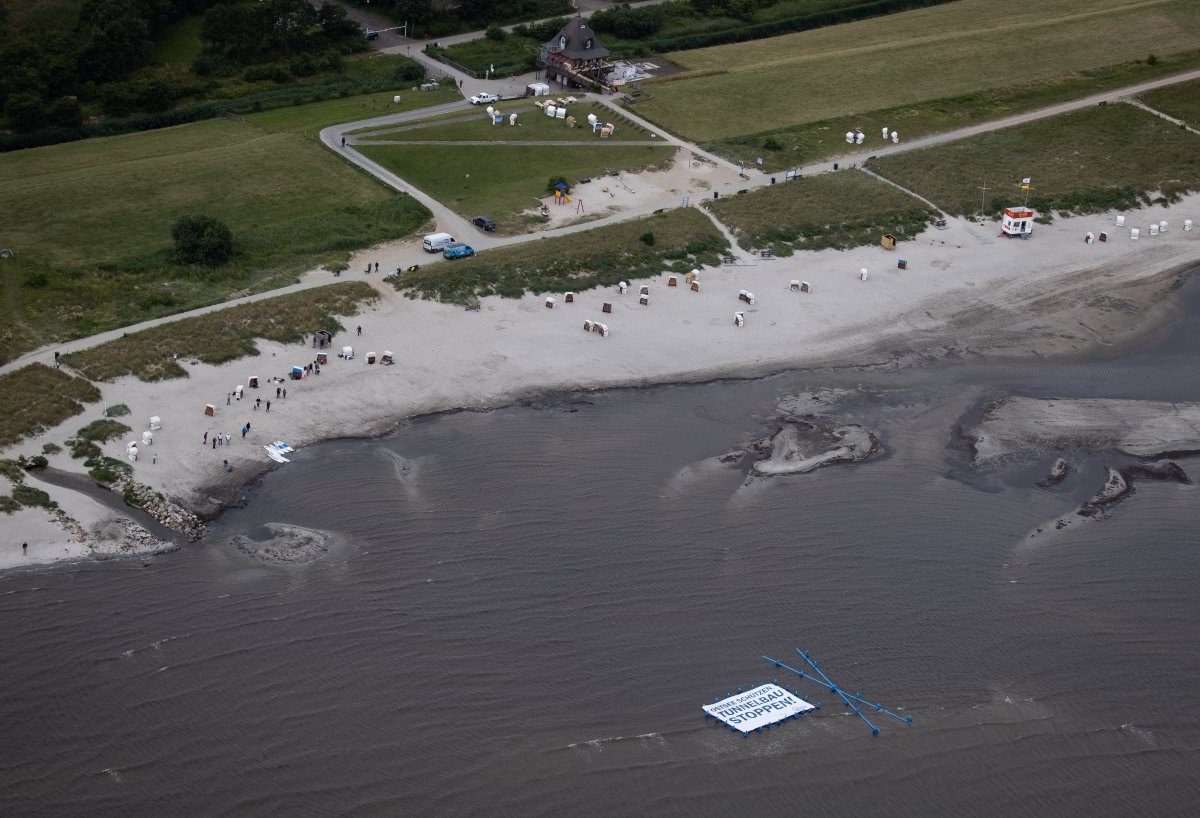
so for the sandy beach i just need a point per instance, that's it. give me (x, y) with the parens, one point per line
(965, 290)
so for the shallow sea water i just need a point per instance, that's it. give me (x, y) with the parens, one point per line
(536, 601)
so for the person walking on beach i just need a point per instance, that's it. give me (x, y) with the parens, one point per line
(24, 548)
(360, 329)
(276, 393)
(285, 393)
(343, 141)
(268, 406)
(228, 438)
(377, 266)
(214, 443)
(205, 443)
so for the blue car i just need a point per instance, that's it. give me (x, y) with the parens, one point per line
(458, 251)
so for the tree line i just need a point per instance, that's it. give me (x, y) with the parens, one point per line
(47, 76)
(437, 18)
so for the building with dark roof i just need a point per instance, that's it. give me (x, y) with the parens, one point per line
(575, 56)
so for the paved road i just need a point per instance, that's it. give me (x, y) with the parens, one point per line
(454, 223)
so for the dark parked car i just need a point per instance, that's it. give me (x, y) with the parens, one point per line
(370, 35)
(484, 223)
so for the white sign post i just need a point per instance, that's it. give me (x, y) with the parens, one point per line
(763, 706)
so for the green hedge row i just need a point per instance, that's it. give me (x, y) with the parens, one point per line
(265, 100)
(760, 31)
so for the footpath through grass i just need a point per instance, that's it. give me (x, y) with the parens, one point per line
(89, 223)
(844, 209)
(1180, 101)
(40, 398)
(799, 145)
(225, 335)
(1089, 161)
(901, 59)
(675, 240)
(502, 181)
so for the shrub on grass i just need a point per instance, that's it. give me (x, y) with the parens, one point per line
(100, 431)
(65, 112)
(35, 463)
(51, 448)
(118, 410)
(106, 469)
(8, 505)
(25, 111)
(29, 496)
(202, 240)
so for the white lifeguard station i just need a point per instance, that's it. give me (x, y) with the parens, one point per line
(1017, 221)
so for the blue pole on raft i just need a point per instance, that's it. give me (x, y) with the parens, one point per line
(834, 688)
(826, 683)
(877, 708)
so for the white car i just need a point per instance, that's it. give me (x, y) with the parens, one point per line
(484, 99)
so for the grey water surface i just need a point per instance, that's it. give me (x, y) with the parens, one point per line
(536, 601)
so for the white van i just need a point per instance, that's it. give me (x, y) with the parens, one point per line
(437, 242)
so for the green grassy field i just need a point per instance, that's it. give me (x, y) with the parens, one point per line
(811, 142)
(680, 239)
(927, 54)
(1087, 161)
(151, 354)
(503, 180)
(1180, 101)
(532, 125)
(89, 222)
(843, 209)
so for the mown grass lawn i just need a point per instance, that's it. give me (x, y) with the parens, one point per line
(89, 223)
(842, 209)
(501, 181)
(900, 59)
(1087, 161)
(532, 125)
(677, 239)
(1180, 101)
